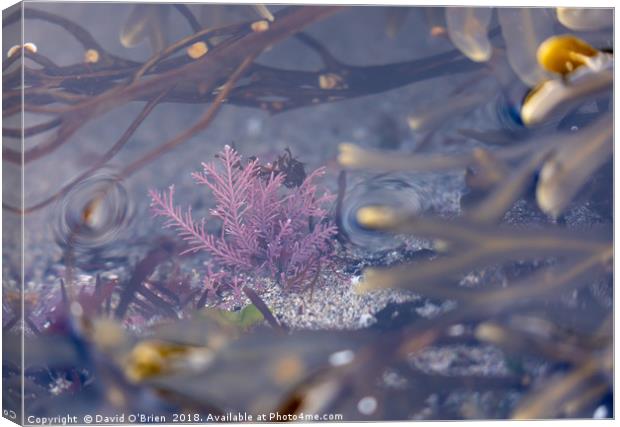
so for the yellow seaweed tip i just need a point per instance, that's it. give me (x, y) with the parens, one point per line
(330, 81)
(438, 31)
(31, 47)
(349, 154)
(546, 194)
(489, 332)
(91, 56)
(264, 12)
(375, 216)
(150, 358)
(260, 26)
(440, 245)
(197, 50)
(145, 361)
(534, 99)
(563, 54)
(414, 122)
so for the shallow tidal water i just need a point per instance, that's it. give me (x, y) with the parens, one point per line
(102, 269)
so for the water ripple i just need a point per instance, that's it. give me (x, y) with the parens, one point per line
(94, 212)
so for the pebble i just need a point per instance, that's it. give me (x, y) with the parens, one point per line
(367, 405)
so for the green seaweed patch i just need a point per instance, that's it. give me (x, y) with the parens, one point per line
(243, 319)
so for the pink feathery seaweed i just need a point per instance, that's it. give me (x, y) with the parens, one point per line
(267, 227)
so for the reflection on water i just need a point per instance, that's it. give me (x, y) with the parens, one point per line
(397, 193)
(94, 212)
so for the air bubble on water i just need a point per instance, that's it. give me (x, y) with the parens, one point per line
(367, 405)
(341, 358)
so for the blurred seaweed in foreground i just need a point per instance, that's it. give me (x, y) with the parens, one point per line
(147, 344)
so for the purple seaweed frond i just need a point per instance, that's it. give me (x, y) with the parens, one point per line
(266, 228)
(162, 204)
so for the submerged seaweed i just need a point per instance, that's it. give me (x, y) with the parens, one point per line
(265, 230)
(484, 229)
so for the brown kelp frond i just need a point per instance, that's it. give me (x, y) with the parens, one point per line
(510, 189)
(538, 337)
(77, 94)
(352, 156)
(565, 163)
(208, 70)
(465, 234)
(468, 246)
(551, 260)
(568, 394)
(568, 261)
(279, 363)
(571, 166)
